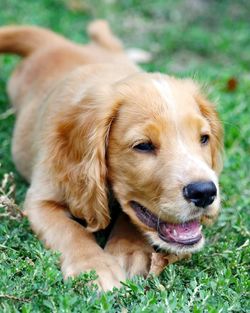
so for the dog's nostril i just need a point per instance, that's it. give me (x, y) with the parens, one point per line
(200, 193)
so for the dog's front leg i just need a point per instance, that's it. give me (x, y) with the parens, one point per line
(134, 253)
(78, 248)
(130, 247)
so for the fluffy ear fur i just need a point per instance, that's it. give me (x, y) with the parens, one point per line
(78, 156)
(209, 112)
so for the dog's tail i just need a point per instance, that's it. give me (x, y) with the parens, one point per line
(24, 40)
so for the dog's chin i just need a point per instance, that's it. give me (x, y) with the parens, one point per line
(176, 248)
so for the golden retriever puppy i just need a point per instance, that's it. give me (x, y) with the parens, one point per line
(88, 122)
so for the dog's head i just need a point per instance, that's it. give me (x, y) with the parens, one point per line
(158, 141)
(164, 157)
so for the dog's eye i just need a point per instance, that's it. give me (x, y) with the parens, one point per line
(145, 147)
(204, 139)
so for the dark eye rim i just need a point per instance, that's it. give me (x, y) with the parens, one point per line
(204, 139)
(145, 147)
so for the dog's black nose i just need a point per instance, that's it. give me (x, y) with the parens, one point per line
(200, 193)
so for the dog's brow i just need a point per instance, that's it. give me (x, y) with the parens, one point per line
(165, 91)
(79, 95)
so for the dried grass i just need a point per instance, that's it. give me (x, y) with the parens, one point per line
(7, 198)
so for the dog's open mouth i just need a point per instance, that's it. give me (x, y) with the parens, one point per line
(188, 233)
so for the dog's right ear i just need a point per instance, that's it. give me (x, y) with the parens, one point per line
(77, 155)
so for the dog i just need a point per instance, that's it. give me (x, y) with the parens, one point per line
(90, 121)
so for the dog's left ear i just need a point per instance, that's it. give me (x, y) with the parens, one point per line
(209, 112)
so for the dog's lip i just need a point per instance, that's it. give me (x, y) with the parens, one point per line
(187, 233)
(144, 215)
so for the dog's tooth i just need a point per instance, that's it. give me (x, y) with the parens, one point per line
(175, 232)
(200, 228)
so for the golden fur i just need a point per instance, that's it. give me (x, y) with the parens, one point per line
(80, 111)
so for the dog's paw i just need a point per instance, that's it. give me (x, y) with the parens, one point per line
(160, 260)
(135, 262)
(109, 272)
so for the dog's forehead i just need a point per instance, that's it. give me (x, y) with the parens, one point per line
(174, 93)
(158, 95)
(155, 105)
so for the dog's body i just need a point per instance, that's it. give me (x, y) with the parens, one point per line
(86, 116)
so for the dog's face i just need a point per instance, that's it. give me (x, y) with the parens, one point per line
(164, 159)
(158, 142)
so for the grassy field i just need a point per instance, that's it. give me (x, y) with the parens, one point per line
(208, 40)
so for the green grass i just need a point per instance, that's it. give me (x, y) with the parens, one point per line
(208, 40)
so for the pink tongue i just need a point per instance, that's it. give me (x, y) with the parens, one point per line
(182, 232)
